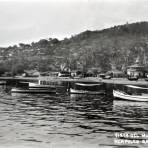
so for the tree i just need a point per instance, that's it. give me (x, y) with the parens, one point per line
(17, 69)
(3, 69)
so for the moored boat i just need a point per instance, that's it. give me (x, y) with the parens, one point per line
(20, 90)
(45, 84)
(132, 93)
(87, 88)
(39, 86)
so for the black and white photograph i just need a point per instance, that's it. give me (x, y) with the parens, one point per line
(73, 73)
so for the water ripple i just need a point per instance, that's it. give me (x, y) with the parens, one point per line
(77, 120)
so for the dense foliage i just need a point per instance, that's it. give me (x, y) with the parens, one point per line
(115, 47)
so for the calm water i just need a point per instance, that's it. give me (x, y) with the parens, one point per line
(71, 121)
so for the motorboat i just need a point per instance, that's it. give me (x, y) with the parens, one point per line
(43, 82)
(40, 85)
(132, 93)
(87, 88)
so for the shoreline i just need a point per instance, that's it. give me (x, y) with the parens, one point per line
(123, 81)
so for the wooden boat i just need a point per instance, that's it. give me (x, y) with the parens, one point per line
(87, 88)
(39, 86)
(20, 90)
(139, 94)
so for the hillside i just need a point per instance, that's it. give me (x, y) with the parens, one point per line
(115, 47)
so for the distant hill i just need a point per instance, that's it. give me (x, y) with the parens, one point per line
(115, 47)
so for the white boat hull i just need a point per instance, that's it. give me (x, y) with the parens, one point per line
(17, 90)
(124, 96)
(74, 91)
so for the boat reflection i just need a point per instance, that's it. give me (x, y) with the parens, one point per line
(122, 103)
(92, 102)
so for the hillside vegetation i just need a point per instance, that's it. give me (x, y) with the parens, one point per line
(115, 47)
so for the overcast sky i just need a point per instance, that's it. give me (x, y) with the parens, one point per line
(31, 20)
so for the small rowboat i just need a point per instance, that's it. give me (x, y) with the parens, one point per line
(87, 88)
(18, 90)
(141, 95)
